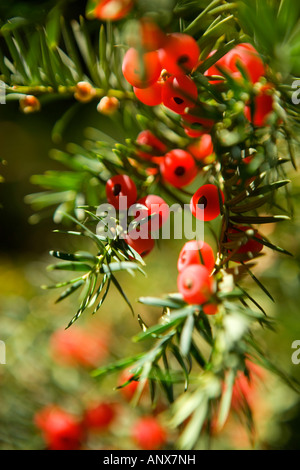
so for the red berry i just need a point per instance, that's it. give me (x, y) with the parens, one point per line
(196, 252)
(196, 126)
(210, 309)
(151, 96)
(112, 9)
(79, 347)
(61, 430)
(142, 245)
(156, 207)
(248, 245)
(178, 168)
(180, 54)
(263, 106)
(247, 56)
(245, 387)
(100, 416)
(213, 69)
(210, 197)
(152, 37)
(148, 433)
(195, 284)
(202, 148)
(129, 390)
(141, 70)
(179, 93)
(121, 186)
(148, 138)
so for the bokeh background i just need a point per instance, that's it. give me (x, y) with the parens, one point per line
(33, 377)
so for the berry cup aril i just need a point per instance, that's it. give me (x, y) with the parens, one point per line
(210, 309)
(151, 96)
(178, 168)
(202, 148)
(141, 70)
(196, 252)
(180, 54)
(196, 126)
(247, 56)
(155, 208)
(61, 430)
(206, 202)
(263, 106)
(99, 416)
(195, 284)
(179, 93)
(143, 246)
(148, 433)
(146, 137)
(121, 186)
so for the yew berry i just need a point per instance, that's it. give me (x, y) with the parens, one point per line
(196, 252)
(79, 347)
(245, 386)
(151, 96)
(178, 168)
(121, 186)
(210, 309)
(142, 245)
(151, 37)
(196, 126)
(141, 70)
(210, 198)
(244, 237)
(146, 137)
(148, 433)
(128, 391)
(180, 54)
(202, 148)
(61, 430)
(247, 56)
(155, 208)
(263, 106)
(195, 284)
(99, 417)
(112, 9)
(179, 93)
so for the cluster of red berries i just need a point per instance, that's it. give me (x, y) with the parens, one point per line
(62, 430)
(151, 211)
(246, 56)
(196, 259)
(195, 265)
(160, 74)
(177, 167)
(147, 432)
